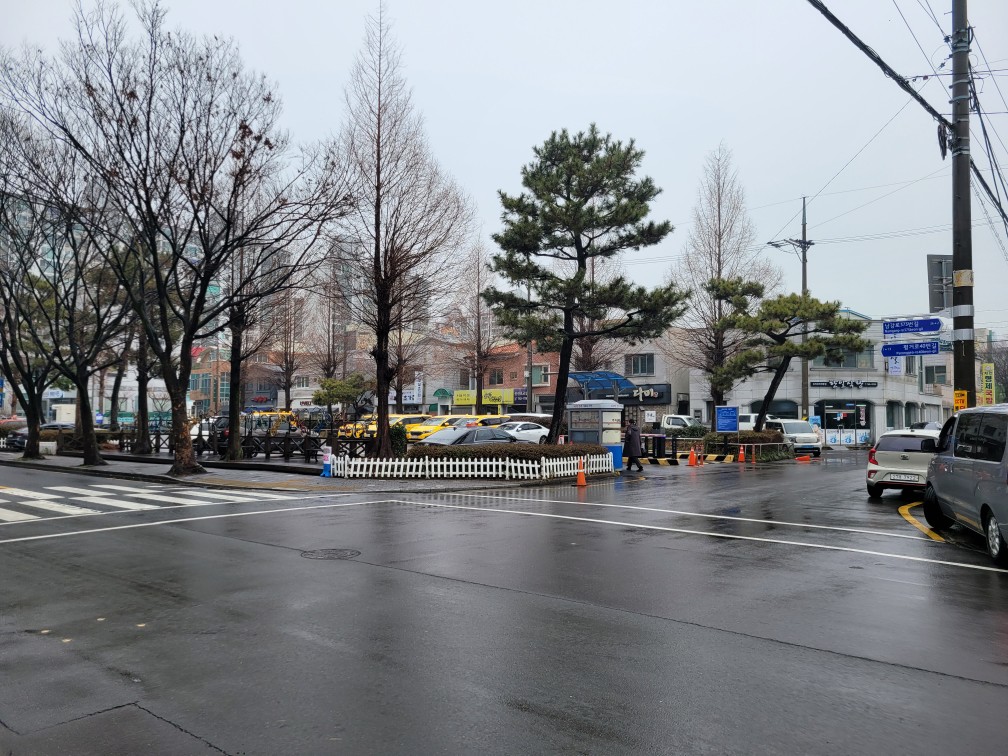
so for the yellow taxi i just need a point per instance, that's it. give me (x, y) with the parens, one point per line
(432, 424)
(484, 420)
(409, 421)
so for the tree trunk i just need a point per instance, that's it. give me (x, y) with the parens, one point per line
(142, 443)
(89, 441)
(33, 414)
(563, 372)
(185, 458)
(771, 392)
(234, 448)
(117, 385)
(398, 391)
(383, 444)
(479, 392)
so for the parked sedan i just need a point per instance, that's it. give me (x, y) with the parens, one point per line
(467, 436)
(18, 438)
(899, 460)
(532, 432)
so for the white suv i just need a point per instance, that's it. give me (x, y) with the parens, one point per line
(799, 433)
(899, 459)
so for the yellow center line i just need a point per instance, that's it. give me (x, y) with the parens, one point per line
(905, 511)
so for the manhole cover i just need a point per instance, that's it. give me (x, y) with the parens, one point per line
(330, 554)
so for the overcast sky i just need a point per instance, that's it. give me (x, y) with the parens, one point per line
(775, 82)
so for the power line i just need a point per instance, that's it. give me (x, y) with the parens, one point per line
(877, 199)
(931, 13)
(919, 47)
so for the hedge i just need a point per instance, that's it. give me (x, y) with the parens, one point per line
(516, 450)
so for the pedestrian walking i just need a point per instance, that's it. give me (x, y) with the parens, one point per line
(631, 446)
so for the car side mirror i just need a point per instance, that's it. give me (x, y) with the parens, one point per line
(928, 445)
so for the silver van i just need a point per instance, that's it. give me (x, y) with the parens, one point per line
(967, 479)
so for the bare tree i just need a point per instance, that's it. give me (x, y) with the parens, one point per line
(998, 355)
(286, 344)
(328, 323)
(409, 215)
(471, 328)
(719, 248)
(187, 147)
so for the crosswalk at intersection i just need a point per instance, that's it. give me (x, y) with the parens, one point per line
(24, 505)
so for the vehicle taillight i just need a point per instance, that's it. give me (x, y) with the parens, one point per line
(871, 456)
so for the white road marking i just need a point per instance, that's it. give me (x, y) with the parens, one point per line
(55, 506)
(729, 536)
(9, 515)
(124, 489)
(117, 503)
(168, 499)
(784, 523)
(178, 520)
(22, 493)
(225, 498)
(120, 506)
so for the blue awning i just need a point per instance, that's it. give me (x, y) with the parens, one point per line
(600, 380)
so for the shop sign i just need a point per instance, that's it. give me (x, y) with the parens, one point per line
(647, 393)
(466, 398)
(844, 384)
(985, 396)
(959, 400)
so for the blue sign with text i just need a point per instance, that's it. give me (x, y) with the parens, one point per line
(726, 419)
(910, 349)
(911, 325)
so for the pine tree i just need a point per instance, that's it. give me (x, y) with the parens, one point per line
(582, 200)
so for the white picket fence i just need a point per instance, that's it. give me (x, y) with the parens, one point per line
(507, 469)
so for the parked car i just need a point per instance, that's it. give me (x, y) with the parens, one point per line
(531, 432)
(466, 436)
(432, 425)
(799, 433)
(17, 439)
(672, 422)
(967, 478)
(407, 421)
(471, 421)
(899, 460)
(926, 425)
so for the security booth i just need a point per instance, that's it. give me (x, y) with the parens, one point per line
(597, 421)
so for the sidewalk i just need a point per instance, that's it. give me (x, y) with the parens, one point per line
(275, 475)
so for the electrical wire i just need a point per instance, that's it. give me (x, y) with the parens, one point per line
(919, 47)
(882, 197)
(931, 13)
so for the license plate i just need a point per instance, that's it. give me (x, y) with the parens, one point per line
(904, 478)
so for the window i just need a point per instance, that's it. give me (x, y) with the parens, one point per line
(497, 377)
(993, 430)
(514, 375)
(935, 374)
(205, 383)
(540, 375)
(463, 378)
(910, 365)
(640, 364)
(967, 435)
(301, 381)
(848, 358)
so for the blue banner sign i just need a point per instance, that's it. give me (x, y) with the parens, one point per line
(910, 349)
(726, 419)
(911, 325)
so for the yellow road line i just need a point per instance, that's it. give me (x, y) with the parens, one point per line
(905, 511)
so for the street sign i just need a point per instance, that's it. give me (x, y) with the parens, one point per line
(911, 325)
(910, 348)
(726, 419)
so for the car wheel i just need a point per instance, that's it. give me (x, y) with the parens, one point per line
(996, 546)
(933, 511)
(542, 439)
(817, 453)
(875, 491)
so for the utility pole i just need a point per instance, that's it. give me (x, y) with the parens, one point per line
(964, 348)
(801, 247)
(529, 406)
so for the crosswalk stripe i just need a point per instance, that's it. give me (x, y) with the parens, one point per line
(54, 506)
(236, 498)
(21, 493)
(9, 515)
(124, 489)
(117, 503)
(168, 499)
(73, 490)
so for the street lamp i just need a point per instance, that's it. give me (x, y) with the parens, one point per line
(800, 246)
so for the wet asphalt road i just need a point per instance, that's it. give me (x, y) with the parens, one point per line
(720, 610)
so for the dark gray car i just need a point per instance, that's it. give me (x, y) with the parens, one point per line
(967, 479)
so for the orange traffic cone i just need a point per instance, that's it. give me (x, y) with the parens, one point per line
(741, 454)
(692, 457)
(581, 476)
(805, 458)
